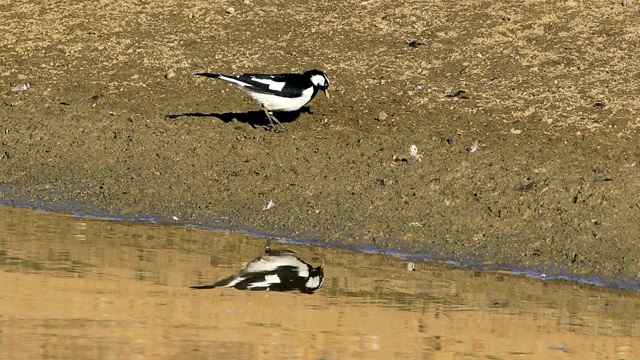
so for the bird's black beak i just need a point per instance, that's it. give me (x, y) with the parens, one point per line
(326, 92)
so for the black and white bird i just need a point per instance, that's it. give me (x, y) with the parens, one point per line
(275, 270)
(279, 92)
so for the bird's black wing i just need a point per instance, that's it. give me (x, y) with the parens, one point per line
(285, 85)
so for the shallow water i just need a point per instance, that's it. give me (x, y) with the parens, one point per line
(75, 288)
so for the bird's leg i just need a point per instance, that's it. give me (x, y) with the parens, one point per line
(273, 119)
(267, 248)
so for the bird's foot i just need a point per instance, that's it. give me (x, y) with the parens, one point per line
(274, 122)
(278, 128)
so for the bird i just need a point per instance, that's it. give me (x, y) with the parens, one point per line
(278, 92)
(275, 270)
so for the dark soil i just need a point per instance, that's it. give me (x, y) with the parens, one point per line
(526, 114)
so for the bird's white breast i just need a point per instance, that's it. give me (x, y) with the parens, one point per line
(278, 103)
(268, 281)
(270, 263)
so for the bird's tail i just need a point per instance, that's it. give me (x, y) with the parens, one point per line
(201, 287)
(220, 283)
(215, 76)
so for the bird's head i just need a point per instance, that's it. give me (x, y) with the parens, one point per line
(320, 80)
(316, 279)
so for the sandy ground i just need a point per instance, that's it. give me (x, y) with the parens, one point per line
(526, 115)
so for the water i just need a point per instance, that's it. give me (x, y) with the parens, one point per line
(74, 288)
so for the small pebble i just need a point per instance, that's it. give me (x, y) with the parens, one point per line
(411, 266)
(382, 116)
(230, 10)
(23, 87)
(170, 74)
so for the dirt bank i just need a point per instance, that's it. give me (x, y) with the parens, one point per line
(526, 114)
